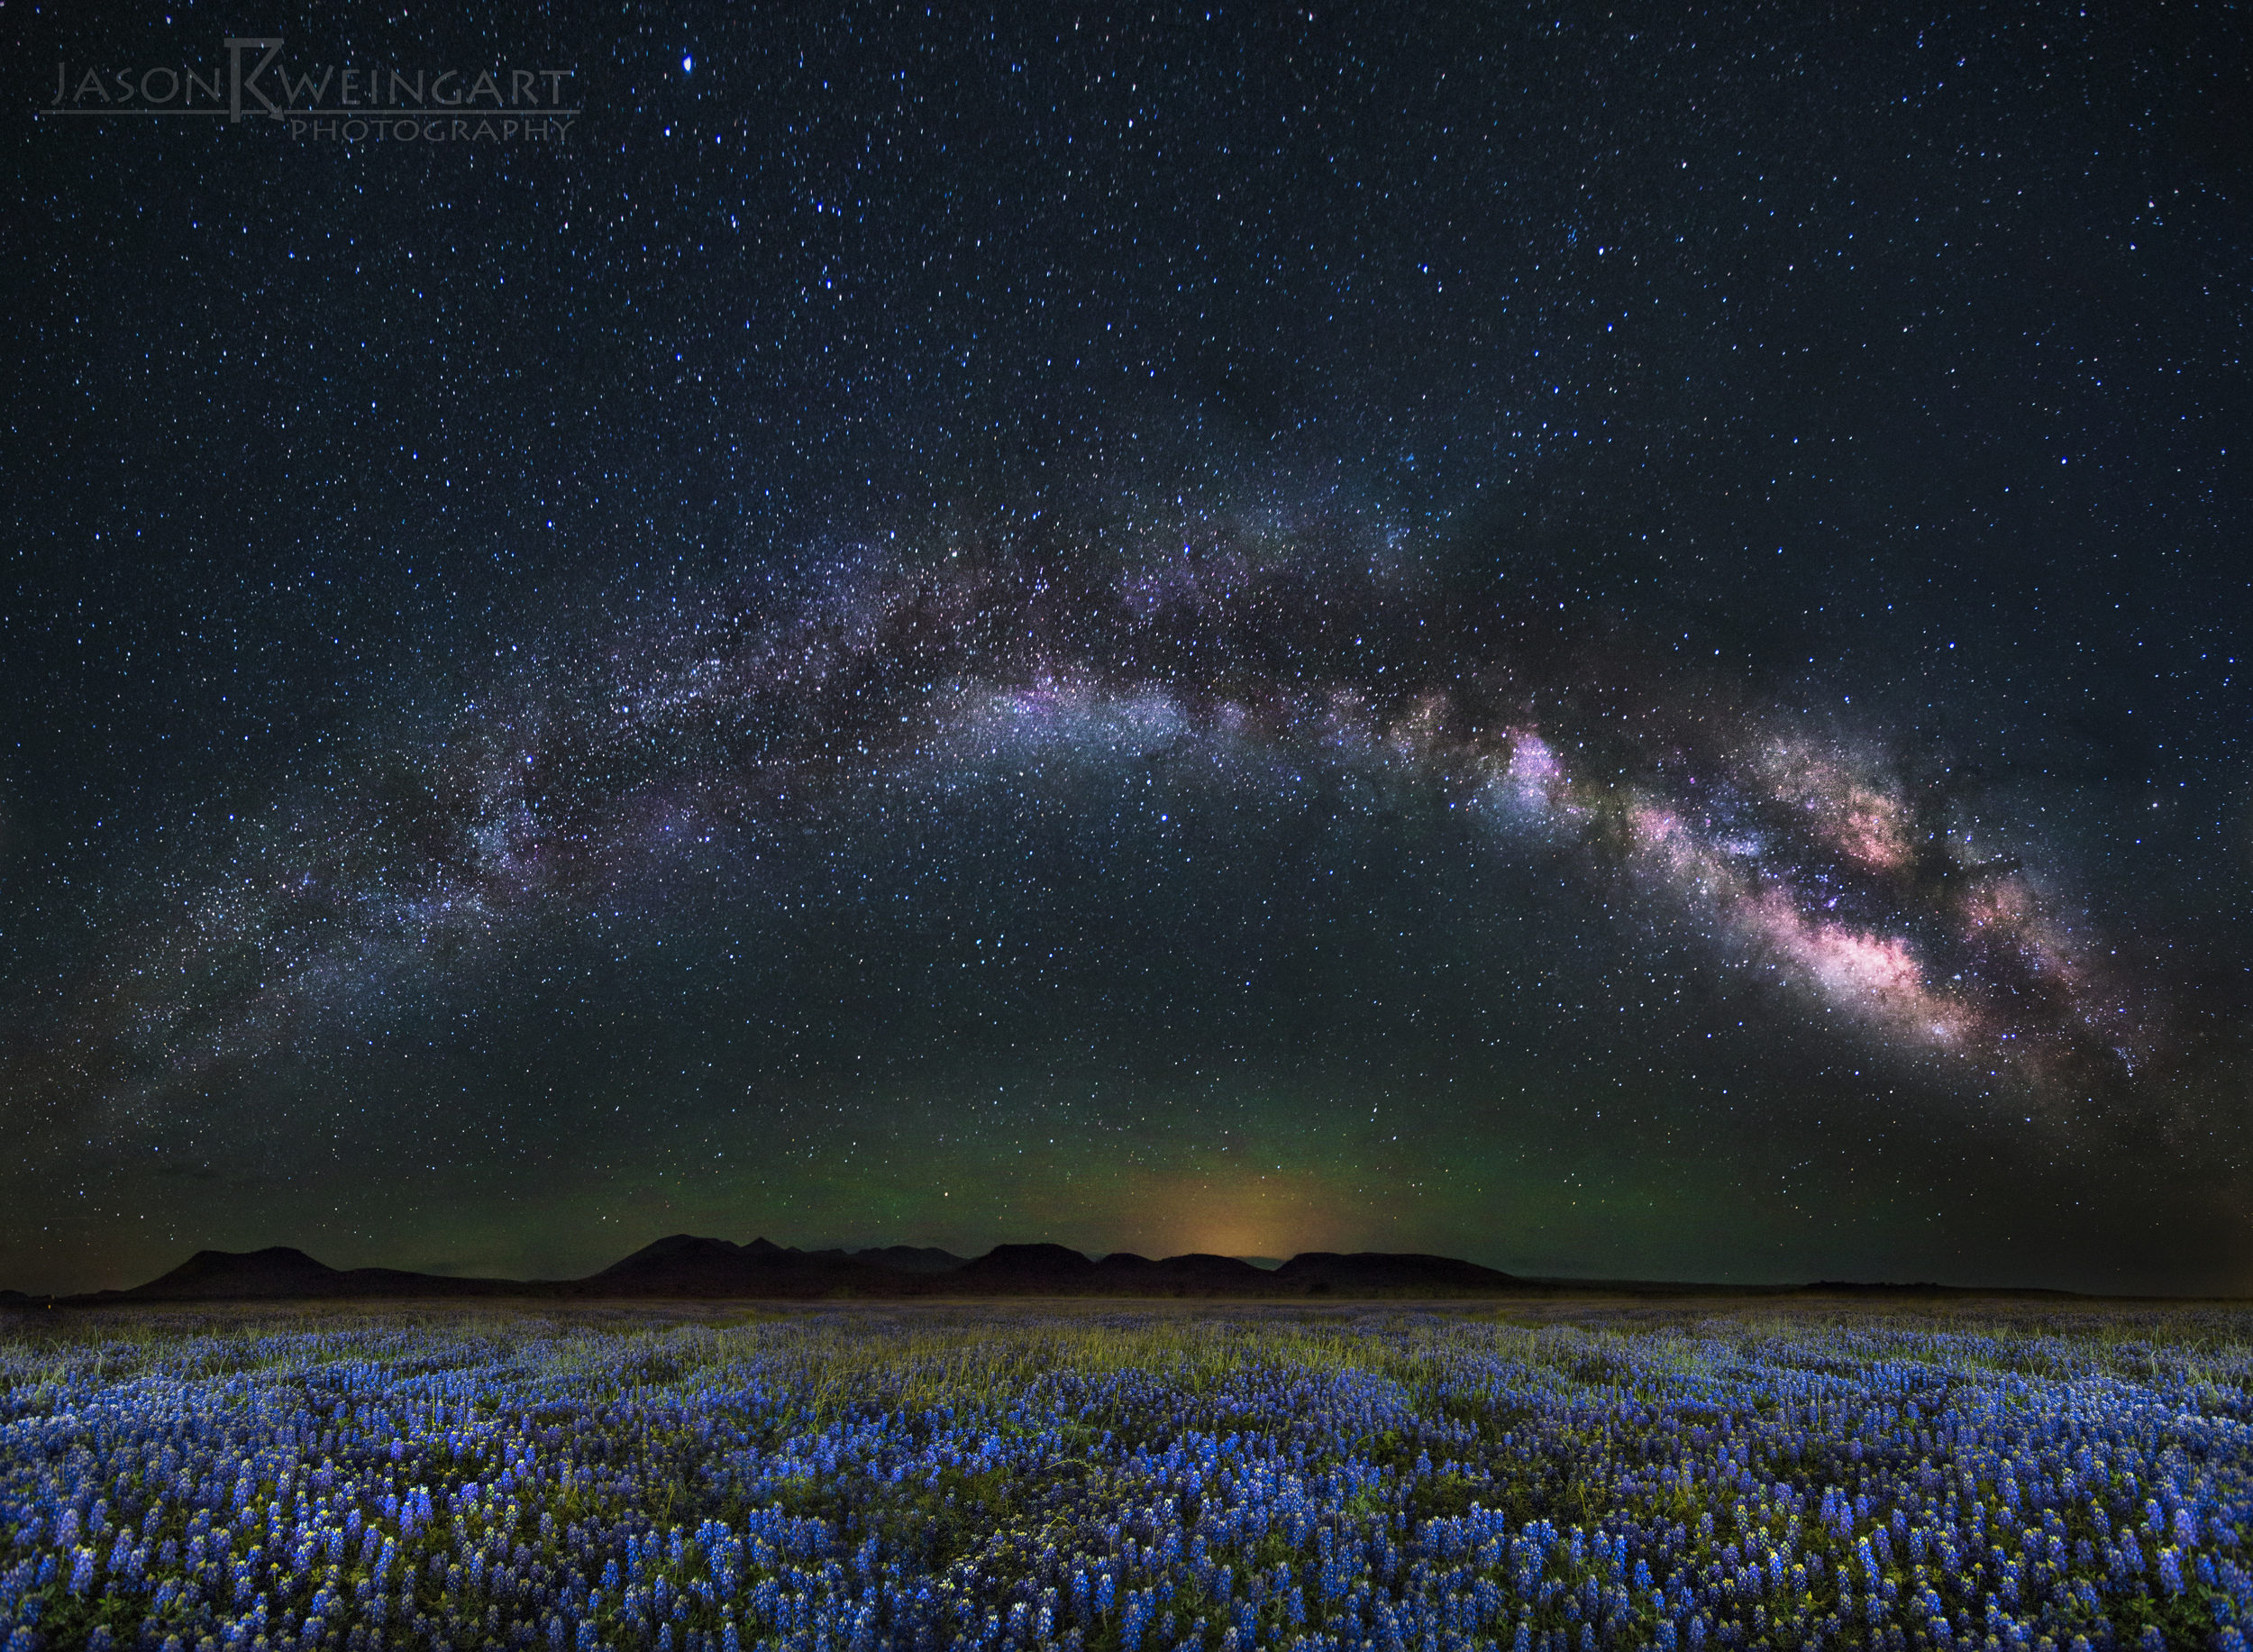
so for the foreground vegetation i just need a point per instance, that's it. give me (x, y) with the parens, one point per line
(1105, 1481)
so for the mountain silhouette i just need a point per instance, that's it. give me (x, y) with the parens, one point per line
(693, 1265)
(683, 1265)
(1124, 1273)
(283, 1272)
(912, 1258)
(1041, 1268)
(1369, 1270)
(276, 1271)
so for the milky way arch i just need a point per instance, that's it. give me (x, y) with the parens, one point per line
(1843, 862)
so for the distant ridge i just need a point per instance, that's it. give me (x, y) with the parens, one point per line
(277, 1271)
(1045, 1269)
(1197, 1269)
(1370, 1270)
(284, 1273)
(913, 1258)
(1840, 1287)
(691, 1266)
(684, 1265)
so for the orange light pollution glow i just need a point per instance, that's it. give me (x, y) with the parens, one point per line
(1169, 1212)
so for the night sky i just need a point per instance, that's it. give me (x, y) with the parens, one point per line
(1612, 644)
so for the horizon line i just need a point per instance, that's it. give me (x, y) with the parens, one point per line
(1543, 1281)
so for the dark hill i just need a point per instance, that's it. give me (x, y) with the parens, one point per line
(1039, 1268)
(1203, 1266)
(900, 1258)
(686, 1266)
(1124, 1272)
(911, 1258)
(277, 1271)
(284, 1273)
(1351, 1272)
(679, 1261)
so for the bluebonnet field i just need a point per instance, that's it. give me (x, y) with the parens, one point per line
(1377, 1482)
